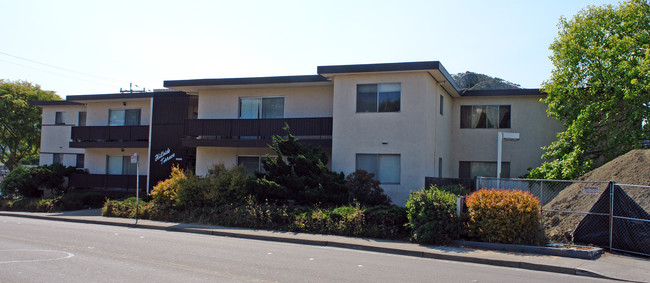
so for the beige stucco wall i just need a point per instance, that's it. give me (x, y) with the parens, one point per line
(443, 135)
(299, 102)
(56, 138)
(528, 117)
(206, 157)
(410, 132)
(96, 158)
(98, 110)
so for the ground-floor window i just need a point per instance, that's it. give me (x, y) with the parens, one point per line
(252, 163)
(471, 169)
(57, 158)
(386, 167)
(120, 165)
(80, 161)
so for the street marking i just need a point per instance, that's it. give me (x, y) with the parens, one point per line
(64, 255)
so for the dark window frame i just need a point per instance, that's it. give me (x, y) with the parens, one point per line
(369, 99)
(503, 116)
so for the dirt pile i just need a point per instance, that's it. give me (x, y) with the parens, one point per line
(631, 168)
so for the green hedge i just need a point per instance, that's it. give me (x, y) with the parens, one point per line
(432, 215)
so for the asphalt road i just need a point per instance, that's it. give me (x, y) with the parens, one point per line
(34, 250)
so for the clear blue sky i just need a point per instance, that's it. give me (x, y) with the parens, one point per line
(97, 47)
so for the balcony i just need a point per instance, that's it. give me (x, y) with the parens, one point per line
(256, 132)
(110, 137)
(102, 181)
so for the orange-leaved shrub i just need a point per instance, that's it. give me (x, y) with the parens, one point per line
(165, 192)
(503, 216)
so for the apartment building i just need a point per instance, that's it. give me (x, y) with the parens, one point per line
(401, 121)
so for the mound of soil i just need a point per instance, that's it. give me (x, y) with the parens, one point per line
(631, 168)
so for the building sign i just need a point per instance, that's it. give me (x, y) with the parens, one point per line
(164, 156)
(590, 190)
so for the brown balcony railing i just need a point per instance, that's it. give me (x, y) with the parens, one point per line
(110, 136)
(256, 132)
(127, 182)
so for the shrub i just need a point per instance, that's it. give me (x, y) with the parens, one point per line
(20, 183)
(503, 216)
(458, 189)
(432, 215)
(25, 181)
(345, 220)
(386, 222)
(365, 189)
(228, 186)
(164, 193)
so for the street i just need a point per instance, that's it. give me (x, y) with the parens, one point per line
(34, 250)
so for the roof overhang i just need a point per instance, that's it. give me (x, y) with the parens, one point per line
(54, 103)
(434, 68)
(503, 92)
(193, 86)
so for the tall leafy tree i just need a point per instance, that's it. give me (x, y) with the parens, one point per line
(599, 87)
(20, 123)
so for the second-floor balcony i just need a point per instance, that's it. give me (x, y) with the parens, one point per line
(110, 137)
(256, 132)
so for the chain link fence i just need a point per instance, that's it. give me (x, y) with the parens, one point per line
(599, 213)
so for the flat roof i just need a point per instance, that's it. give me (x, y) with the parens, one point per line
(53, 103)
(110, 96)
(503, 92)
(246, 81)
(390, 67)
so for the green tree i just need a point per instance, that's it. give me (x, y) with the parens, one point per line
(299, 174)
(599, 88)
(20, 123)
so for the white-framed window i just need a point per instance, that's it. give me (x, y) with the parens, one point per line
(485, 116)
(386, 167)
(82, 119)
(59, 118)
(385, 97)
(120, 165)
(472, 169)
(252, 163)
(124, 117)
(261, 107)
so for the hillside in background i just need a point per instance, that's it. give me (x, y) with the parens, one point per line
(473, 81)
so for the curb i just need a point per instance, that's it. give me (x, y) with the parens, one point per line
(395, 251)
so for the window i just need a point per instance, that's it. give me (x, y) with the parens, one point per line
(120, 165)
(261, 107)
(379, 97)
(252, 163)
(80, 161)
(386, 167)
(440, 167)
(59, 118)
(485, 116)
(471, 169)
(82, 119)
(57, 158)
(442, 101)
(124, 117)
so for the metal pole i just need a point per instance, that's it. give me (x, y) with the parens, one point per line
(611, 214)
(541, 205)
(500, 145)
(137, 189)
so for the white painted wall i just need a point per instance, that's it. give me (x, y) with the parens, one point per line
(56, 138)
(528, 117)
(299, 102)
(98, 110)
(96, 158)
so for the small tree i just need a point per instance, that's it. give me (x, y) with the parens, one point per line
(299, 173)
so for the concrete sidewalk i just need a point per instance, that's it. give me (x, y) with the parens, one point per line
(610, 266)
